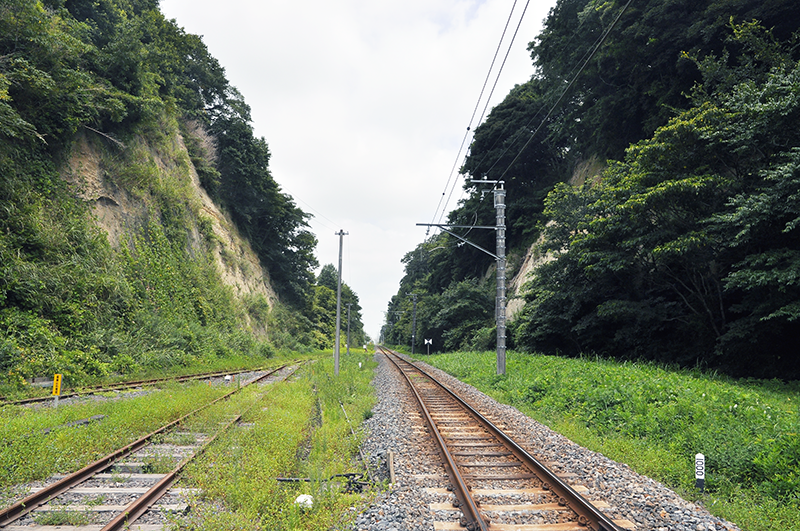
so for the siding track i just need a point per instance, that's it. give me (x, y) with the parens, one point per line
(92, 389)
(114, 491)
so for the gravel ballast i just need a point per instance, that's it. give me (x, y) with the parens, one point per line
(397, 427)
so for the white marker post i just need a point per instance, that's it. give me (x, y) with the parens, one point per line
(429, 342)
(56, 387)
(700, 471)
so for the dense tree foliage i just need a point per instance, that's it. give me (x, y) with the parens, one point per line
(687, 250)
(120, 75)
(109, 64)
(633, 84)
(325, 310)
(675, 239)
(453, 314)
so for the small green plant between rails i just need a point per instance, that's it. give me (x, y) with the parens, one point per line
(656, 419)
(298, 430)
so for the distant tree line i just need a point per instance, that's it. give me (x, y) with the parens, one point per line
(664, 188)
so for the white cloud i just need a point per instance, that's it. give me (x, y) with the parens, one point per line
(364, 105)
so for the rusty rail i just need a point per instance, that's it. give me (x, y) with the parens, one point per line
(588, 514)
(467, 503)
(37, 499)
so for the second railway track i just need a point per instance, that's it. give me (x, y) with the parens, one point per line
(114, 491)
(493, 483)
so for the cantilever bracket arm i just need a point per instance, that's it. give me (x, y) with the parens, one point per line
(448, 231)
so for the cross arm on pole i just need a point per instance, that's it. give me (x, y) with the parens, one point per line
(448, 231)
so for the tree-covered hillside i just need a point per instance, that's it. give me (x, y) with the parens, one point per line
(151, 105)
(664, 186)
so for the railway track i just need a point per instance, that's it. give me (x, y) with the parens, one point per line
(494, 483)
(116, 490)
(92, 389)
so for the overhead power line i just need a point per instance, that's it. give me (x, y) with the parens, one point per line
(294, 196)
(533, 119)
(583, 64)
(566, 89)
(477, 105)
(486, 105)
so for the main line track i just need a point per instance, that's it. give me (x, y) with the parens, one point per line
(495, 483)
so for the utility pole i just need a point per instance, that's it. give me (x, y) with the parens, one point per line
(500, 302)
(413, 322)
(341, 234)
(500, 257)
(348, 327)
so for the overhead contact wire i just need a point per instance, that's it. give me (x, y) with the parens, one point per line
(566, 89)
(486, 106)
(497, 79)
(477, 104)
(527, 125)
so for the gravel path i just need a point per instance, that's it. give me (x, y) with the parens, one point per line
(396, 426)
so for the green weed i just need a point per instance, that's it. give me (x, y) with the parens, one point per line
(62, 517)
(238, 476)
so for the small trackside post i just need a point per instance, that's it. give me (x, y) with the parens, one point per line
(700, 471)
(56, 387)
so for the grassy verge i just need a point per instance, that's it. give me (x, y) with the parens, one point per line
(656, 420)
(298, 429)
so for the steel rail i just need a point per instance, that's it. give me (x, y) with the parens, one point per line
(140, 506)
(467, 503)
(89, 389)
(37, 499)
(588, 514)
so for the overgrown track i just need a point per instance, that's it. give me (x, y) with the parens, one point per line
(498, 485)
(91, 389)
(115, 516)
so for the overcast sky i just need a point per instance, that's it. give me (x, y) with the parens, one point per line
(364, 105)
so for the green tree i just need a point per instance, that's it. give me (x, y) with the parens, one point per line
(685, 251)
(465, 307)
(634, 83)
(269, 218)
(327, 284)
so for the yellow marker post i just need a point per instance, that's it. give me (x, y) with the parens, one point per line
(56, 386)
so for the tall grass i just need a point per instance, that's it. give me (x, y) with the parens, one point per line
(298, 429)
(656, 419)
